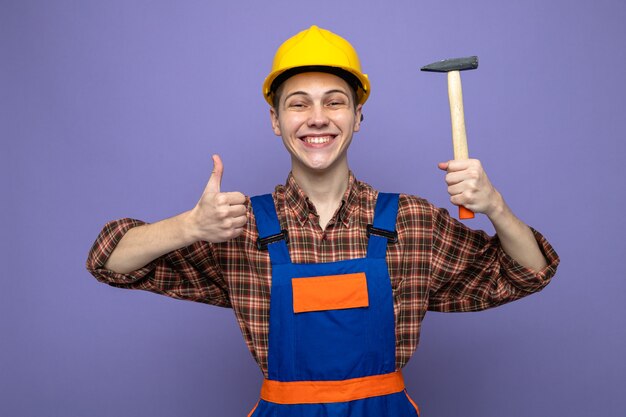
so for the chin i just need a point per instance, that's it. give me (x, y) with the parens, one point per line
(317, 168)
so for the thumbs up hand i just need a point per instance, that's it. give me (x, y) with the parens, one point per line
(218, 216)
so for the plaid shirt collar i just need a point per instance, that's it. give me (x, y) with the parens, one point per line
(303, 208)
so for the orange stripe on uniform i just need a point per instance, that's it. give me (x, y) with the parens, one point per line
(412, 402)
(332, 292)
(253, 409)
(315, 392)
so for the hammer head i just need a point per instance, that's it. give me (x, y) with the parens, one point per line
(454, 64)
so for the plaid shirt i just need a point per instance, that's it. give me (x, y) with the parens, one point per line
(437, 264)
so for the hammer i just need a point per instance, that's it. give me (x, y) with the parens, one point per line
(455, 94)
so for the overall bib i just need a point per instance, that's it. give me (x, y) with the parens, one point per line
(331, 328)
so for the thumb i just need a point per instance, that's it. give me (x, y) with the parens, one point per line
(443, 166)
(215, 182)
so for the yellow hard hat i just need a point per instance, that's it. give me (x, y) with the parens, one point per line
(316, 49)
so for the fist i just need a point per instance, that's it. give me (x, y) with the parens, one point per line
(218, 216)
(469, 186)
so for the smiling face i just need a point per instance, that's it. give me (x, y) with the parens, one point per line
(316, 118)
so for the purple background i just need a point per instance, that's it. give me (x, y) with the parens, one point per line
(112, 109)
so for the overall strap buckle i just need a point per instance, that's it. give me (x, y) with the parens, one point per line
(390, 235)
(382, 231)
(261, 243)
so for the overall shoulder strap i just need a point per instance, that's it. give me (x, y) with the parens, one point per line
(270, 236)
(384, 228)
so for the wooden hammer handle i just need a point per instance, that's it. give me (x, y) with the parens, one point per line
(459, 136)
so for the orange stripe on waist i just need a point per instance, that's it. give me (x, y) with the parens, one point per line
(314, 392)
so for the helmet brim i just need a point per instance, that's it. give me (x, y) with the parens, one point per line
(359, 82)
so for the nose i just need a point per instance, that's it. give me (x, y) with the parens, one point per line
(317, 117)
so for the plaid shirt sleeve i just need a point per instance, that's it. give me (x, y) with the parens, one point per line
(471, 271)
(189, 273)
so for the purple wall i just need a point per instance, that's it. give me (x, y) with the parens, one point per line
(112, 109)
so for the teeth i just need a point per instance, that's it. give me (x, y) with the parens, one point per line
(317, 140)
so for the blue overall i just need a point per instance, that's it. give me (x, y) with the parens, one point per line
(334, 344)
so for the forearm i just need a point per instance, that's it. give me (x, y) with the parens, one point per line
(143, 244)
(516, 238)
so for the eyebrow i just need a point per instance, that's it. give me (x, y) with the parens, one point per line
(304, 93)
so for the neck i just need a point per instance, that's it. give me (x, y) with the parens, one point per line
(324, 189)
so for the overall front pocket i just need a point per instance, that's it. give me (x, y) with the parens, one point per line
(332, 292)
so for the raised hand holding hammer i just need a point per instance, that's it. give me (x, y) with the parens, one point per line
(455, 95)
(469, 186)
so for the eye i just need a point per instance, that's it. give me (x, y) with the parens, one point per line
(296, 105)
(336, 102)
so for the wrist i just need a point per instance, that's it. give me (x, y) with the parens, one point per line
(185, 227)
(498, 208)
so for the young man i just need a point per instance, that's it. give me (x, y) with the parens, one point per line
(328, 278)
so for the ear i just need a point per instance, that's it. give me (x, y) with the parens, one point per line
(275, 122)
(357, 118)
